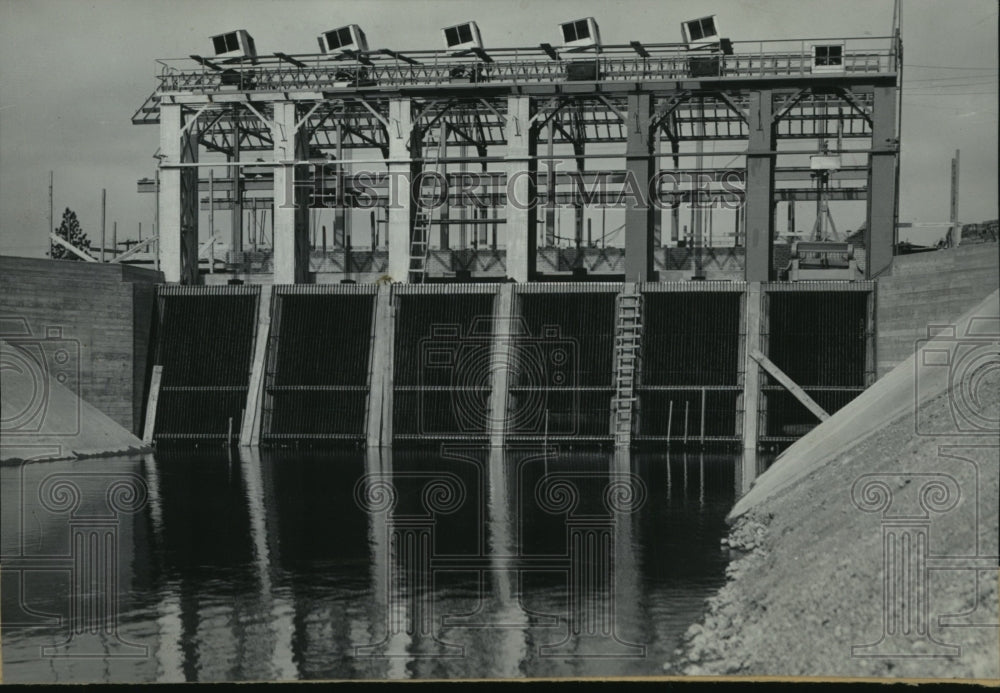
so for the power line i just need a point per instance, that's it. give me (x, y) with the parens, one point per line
(946, 90)
(953, 93)
(955, 80)
(949, 67)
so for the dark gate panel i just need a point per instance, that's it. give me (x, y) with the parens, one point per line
(316, 381)
(565, 383)
(820, 340)
(205, 346)
(441, 363)
(691, 367)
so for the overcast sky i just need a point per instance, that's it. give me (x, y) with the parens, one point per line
(72, 72)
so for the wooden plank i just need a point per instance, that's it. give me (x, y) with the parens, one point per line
(154, 397)
(250, 426)
(789, 384)
(72, 248)
(135, 250)
(752, 313)
(378, 418)
(500, 357)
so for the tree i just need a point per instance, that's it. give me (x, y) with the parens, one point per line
(69, 230)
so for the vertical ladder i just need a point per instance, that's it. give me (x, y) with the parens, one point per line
(422, 223)
(628, 343)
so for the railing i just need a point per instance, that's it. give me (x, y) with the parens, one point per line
(523, 65)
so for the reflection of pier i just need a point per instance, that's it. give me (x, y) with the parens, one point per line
(411, 558)
(190, 617)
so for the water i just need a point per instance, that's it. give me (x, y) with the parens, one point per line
(281, 566)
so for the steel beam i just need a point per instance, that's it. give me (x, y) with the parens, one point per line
(291, 211)
(522, 170)
(640, 212)
(760, 188)
(880, 229)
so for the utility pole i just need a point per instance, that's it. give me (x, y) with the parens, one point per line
(156, 222)
(104, 200)
(956, 228)
(52, 227)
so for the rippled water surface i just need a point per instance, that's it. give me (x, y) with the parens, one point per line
(398, 564)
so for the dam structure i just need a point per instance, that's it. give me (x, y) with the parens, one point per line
(463, 293)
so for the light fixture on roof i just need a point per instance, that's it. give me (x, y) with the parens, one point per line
(580, 33)
(462, 37)
(701, 32)
(234, 44)
(343, 39)
(828, 57)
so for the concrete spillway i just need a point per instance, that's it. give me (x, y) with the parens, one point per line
(503, 363)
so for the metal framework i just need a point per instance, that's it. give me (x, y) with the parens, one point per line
(491, 121)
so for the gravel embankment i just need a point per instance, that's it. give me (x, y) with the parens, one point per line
(806, 582)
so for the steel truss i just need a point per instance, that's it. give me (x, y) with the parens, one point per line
(642, 96)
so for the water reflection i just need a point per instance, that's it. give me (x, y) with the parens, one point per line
(386, 564)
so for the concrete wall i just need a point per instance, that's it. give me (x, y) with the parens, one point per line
(65, 426)
(105, 309)
(930, 288)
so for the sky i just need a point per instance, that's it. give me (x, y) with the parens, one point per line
(72, 72)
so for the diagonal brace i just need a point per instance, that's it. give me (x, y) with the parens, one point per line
(789, 384)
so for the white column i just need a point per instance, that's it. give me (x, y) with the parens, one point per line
(178, 198)
(521, 169)
(291, 214)
(400, 181)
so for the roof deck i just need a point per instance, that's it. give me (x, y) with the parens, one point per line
(386, 69)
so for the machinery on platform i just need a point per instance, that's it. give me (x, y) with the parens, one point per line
(234, 44)
(462, 37)
(702, 36)
(701, 32)
(581, 34)
(345, 39)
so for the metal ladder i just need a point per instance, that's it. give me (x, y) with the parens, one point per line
(628, 344)
(422, 225)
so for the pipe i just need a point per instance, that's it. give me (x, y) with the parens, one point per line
(687, 407)
(703, 416)
(670, 421)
